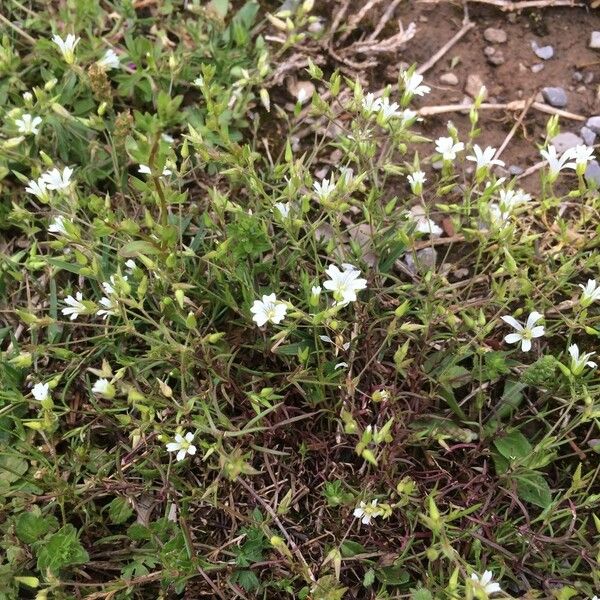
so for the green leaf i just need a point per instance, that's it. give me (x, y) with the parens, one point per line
(220, 6)
(11, 468)
(31, 526)
(420, 594)
(62, 549)
(393, 575)
(350, 548)
(533, 488)
(119, 511)
(513, 445)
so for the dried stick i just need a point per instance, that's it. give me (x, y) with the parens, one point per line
(516, 126)
(509, 6)
(384, 19)
(427, 111)
(357, 18)
(467, 26)
(22, 33)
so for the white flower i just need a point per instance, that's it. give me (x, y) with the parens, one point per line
(447, 148)
(67, 46)
(408, 115)
(40, 391)
(524, 334)
(55, 180)
(28, 124)
(75, 306)
(315, 290)
(130, 264)
(365, 512)
(427, 226)
(109, 286)
(110, 308)
(199, 81)
(58, 226)
(324, 188)
(412, 84)
(484, 158)
(556, 164)
(346, 175)
(591, 293)
(498, 216)
(579, 362)
(389, 110)
(110, 60)
(582, 155)
(39, 189)
(344, 284)
(371, 104)
(416, 180)
(595, 598)
(145, 169)
(268, 309)
(103, 387)
(486, 583)
(182, 445)
(510, 199)
(283, 208)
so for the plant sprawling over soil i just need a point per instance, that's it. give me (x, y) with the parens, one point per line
(240, 360)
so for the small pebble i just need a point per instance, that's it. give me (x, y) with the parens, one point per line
(495, 36)
(301, 90)
(515, 170)
(577, 76)
(489, 50)
(592, 173)
(537, 67)
(580, 89)
(555, 96)
(473, 85)
(566, 140)
(595, 40)
(588, 78)
(593, 123)
(589, 137)
(449, 79)
(543, 52)
(496, 59)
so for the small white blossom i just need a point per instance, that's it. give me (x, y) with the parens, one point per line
(416, 180)
(182, 445)
(58, 226)
(324, 189)
(110, 60)
(591, 293)
(39, 189)
(365, 512)
(408, 115)
(371, 104)
(524, 334)
(110, 308)
(55, 180)
(510, 199)
(28, 125)
(109, 286)
(41, 391)
(498, 216)
(484, 158)
(346, 175)
(448, 148)
(269, 309)
(486, 583)
(130, 264)
(555, 163)
(145, 169)
(423, 224)
(75, 306)
(344, 284)
(581, 154)
(389, 110)
(579, 362)
(283, 208)
(67, 46)
(104, 388)
(412, 84)
(199, 81)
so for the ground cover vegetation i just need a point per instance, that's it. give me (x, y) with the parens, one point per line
(233, 369)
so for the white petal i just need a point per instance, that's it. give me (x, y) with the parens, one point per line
(180, 455)
(512, 322)
(533, 318)
(538, 331)
(513, 338)
(526, 345)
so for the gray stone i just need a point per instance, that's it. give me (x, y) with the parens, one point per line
(537, 67)
(515, 170)
(555, 96)
(595, 40)
(577, 76)
(588, 78)
(424, 260)
(496, 59)
(489, 50)
(449, 79)
(589, 137)
(593, 123)
(543, 52)
(592, 173)
(495, 36)
(473, 85)
(564, 141)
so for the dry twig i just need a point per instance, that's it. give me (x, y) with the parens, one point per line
(509, 6)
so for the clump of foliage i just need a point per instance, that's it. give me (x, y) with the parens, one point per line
(224, 375)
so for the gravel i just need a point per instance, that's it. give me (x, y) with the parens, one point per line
(473, 85)
(595, 40)
(593, 123)
(495, 36)
(589, 136)
(555, 96)
(496, 59)
(592, 173)
(543, 52)
(564, 141)
(449, 79)
(537, 67)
